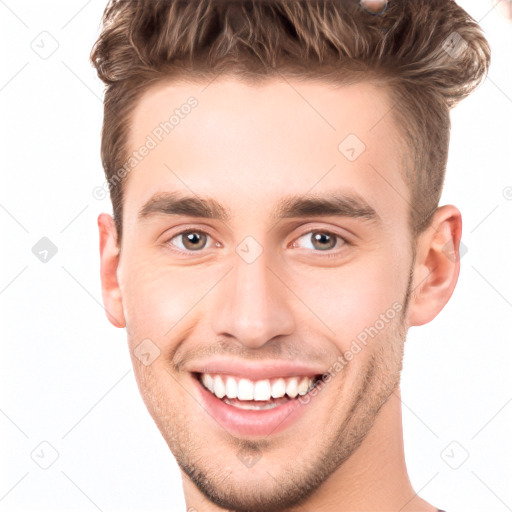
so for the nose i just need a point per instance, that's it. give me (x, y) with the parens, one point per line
(251, 305)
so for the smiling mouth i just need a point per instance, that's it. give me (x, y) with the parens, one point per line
(257, 394)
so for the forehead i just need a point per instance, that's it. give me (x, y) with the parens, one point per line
(251, 144)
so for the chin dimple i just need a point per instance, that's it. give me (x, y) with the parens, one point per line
(230, 387)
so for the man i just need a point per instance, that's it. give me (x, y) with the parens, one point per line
(275, 169)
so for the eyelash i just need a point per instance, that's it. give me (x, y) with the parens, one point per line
(329, 253)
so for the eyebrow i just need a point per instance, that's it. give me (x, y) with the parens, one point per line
(332, 204)
(339, 205)
(175, 203)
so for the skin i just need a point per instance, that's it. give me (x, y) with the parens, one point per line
(248, 147)
(374, 6)
(504, 7)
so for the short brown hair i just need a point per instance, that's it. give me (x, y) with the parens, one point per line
(429, 53)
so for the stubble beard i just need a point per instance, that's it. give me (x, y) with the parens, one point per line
(376, 381)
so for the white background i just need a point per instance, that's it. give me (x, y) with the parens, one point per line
(66, 376)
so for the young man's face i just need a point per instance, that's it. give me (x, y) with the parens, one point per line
(261, 295)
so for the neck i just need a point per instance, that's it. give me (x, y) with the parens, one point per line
(373, 478)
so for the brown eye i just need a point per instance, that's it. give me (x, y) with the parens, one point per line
(323, 241)
(190, 240)
(319, 240)
(194, 240)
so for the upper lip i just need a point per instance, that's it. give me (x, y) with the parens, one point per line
(255, 370)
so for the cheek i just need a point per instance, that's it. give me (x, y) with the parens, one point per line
(149, 301)
(357, 302)
(157, 297)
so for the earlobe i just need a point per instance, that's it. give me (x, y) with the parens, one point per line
(437, 265)
(109, 261)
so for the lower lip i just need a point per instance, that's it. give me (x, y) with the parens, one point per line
(243, 422)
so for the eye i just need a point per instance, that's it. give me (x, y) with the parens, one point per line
(191, 240)
(320, 240)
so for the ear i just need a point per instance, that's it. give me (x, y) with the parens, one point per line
(109, 261)
(437, 265)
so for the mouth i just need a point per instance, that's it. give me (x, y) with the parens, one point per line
(256, 395)
(255, 407)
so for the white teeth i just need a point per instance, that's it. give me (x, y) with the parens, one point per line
(278, 388)
(231, 387)
(207, 380)
(303, 386)
(245, 390)
(291, 388)
(218, 387)
(262, 390)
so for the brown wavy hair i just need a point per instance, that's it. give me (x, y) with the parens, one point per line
(405, 49)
